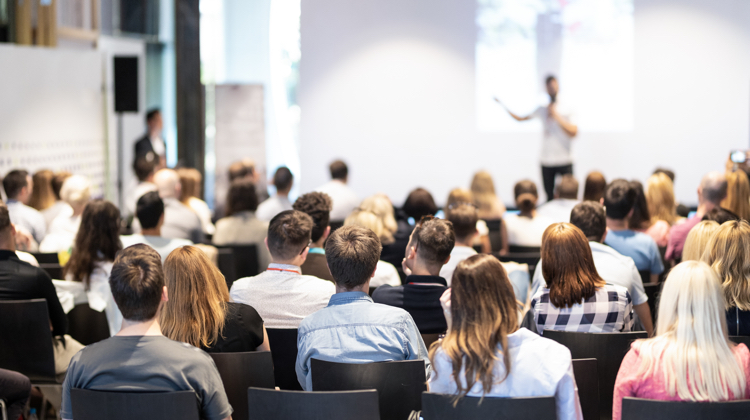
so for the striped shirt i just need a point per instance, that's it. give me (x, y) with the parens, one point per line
(610, 309)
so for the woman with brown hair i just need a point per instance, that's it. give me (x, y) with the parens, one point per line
(577, 299)
(593, 188)
(42, 196)
(484, 353)
(526, 228)
(488, 203)
(199, 312)
(190, 181)
(738, 194)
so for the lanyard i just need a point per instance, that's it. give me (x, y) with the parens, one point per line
(283, 269)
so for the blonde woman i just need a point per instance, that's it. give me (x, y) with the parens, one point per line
(199, 312)
(691, 357)
(190, 181)
(381, 206)
(76, 192)
(488, 203)
(660, 198)
(738, 194)
(728, 253)
(393, 251)
(697, 239)
(385, 272)
(459, 196)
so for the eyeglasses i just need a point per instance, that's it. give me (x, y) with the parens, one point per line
(308, 246)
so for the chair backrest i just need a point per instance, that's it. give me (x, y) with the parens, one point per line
(46, 257)
(96, 405)
(86, 325)
(607, 348)
(283, 344)
(400, 384)
(284, 405)
(640, 409)
(244, 262)
(524, 249)
(587, 380)
(653, 292)
(440, 407)
(240, 371)
(225, 261)
(741, 339)
(27, 343)
(495, 235)
(55, 270)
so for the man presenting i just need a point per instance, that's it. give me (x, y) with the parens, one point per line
(152, 142)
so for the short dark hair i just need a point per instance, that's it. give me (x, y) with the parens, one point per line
(549, 78)
(463, 217)
(434, 239)
(589, 216)
(619, 199)
(318, 206)
(568, 187)
(137, 282)
(352, 253)
(283, 178)
(145, 165)
(289, 233)
(338, 169)
(720, 215)
(4, 217)
(240, 169)
(151, 114)
(667, 172)
(14, 182)
(149, 210)
(420, 203)
(241, 196)
(641, 215)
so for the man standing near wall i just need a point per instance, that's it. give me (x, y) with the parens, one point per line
(151, 142)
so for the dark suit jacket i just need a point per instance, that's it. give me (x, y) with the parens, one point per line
(143, 146)
(315, 265)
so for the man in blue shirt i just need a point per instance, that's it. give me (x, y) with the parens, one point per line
(619, 200)
(352, 328)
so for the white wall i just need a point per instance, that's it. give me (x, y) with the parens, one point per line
(389, 87)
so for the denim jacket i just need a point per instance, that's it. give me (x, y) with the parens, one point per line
(354, 329)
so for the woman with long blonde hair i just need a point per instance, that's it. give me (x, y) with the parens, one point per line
(728, 253)
(198, 311)
(697, 239)
(738, 194)
(660, 198)
(488, 203)
(385, 272)
(691, 357)
(381, 206)
(484, 353)
(396, 239)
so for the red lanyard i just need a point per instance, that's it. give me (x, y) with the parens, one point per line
(283, 269)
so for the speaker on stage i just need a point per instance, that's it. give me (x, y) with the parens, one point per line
(126, 83)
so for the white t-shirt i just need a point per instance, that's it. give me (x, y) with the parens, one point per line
(556, 142)
(344, 199)
(525, 231)
(557, 210)
(204, 213)
(458, 254)
(268, 209)
(385, 273)
(161, 244)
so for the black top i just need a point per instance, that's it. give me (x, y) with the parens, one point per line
(243, 330)
(143, 146)
(744, 324)
(20, 281)
(394, 253)
(316, 265)
(422, 301)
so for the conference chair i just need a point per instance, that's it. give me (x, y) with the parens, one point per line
(283, 344)
(607, 348)
(46, 257)
(524, 249)
(97, 405)
(495, 235)
(440, 407)
(54, 270)
(641, 409)
(399, 384)
(240, 371)
(587, 380)
(529, 258)
(741, 339)
(296, 405)
(86, 325)
(238, 261)
(653, 292)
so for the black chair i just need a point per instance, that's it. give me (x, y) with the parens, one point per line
(645, 276)
(607, 348)
(640, 409)
(46, 257)
(653, 292)
(55, 270)
(587, 380)
(294, 405)
(440, 407)
(27, 343)
(240, 371)
(495, 235)
(283, 344)
(399, 384)
(244, 262)
(97, 405)
(741, 339)
(86, 325)
(227, 266)
(335, 224)
(529, 258)
(524, 249)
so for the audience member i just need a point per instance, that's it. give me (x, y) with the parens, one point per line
(15, 390)
(385, 273)
(59, 207)
(463, 217)
(394, 246)
(681, 209)
(720, 216)
(240, 226)
(577, 298)
(526, 228)
(697, 239)
(180, 222)
(150, 214)
(190, 184)
(459, 196)
(619, 202)
(243, 169)
(199, 311)
(318, 206)
(738, 194)
(419, 203)
(642, 221)
(351, 328)
(76, 192)
(144, 168)
(488, 203)
(18, 186)
(488, 353)
(712, 190)
(151, 142)
(344, 198)
(282, 181)
(429, 248)
(282, 295)
(42, 196)
(139, 357)
(661, 206)
(566, 197)
(593, 188)
(691, 357)
(612, 267)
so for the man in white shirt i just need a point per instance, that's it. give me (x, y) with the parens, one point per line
(283, 181)
(344, 198)
(612, 266)
(464, 218)
(18, 186)
(150, 214)
(282, 295)
(566, 197)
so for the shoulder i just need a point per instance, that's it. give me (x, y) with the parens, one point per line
(242, 311)
(386, 292)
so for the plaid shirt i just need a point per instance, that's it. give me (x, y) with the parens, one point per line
(610, 309)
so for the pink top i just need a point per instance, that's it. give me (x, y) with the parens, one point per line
(659, 232)
(652, 387)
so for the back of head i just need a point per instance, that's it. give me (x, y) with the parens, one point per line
(713, 187)
(241, 196)
(289, 234)
(567, 188)
(464, 218)
(459, 195)
(76, 190)
(168, 183)
(720, 215)
(738, 194)
(568, 265)
(589, 216)
(98, 239)
(420, 203)
(152, 114)
(593, 189)
(434, 240)
(619, 199)
(145, 166)
(660, 198)
(149, 209)
(318, 206)
(190, 183)
(371, 221)
(352, 253)
(728, 253)
(483, 313)
(339, 170)
(483, 191)
(667, 172)
(526, 195)
(14, 182)
(244, 168)
(57, 182)
(283, 179)
(198, 293)
(137, 282)
(641, 218)
(697, 239)
(381, 205)
(42, 196)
